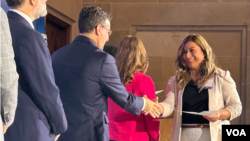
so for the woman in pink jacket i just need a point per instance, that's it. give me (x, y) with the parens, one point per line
(132, 63)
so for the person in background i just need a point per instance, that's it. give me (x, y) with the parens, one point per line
(39, 115)
(8, 78)
(132, 63)
(87, 76)
(199, 85)
(111, 49)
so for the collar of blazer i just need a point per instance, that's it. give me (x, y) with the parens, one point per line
(210, 82)
(85, 39)
(18, 16)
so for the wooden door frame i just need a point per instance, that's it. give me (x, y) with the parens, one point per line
(61, 23)
(62, 20)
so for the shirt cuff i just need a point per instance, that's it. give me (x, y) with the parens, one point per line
(144, 102)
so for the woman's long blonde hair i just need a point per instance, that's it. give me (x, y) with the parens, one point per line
(131, 57)
(207, 66)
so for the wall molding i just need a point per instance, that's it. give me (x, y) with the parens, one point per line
(243, 29)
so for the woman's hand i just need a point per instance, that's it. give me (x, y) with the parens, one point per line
(213, 118)
(224, 114)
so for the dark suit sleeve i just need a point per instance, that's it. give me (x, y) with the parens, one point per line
(112, 87)
(36, 65)
(152, 124)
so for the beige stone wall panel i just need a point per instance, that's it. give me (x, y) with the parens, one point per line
(70, 8)
(225, 43)
(165, 1)
(161, 43)
(247, 116)
(233, 65)
(126, 15)
(117, 35)
(68, 12)
(128, 1)
(104, 6)
(235, 0)
(168, 68)
(88, 1)
(166, 129)
(155, 68)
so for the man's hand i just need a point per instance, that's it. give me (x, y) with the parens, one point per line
(4, 128)
(56, 137)
(161, 109)
(151, 107)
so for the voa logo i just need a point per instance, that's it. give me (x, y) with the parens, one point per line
(236, 132)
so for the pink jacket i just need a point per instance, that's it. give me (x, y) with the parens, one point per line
(124, 126)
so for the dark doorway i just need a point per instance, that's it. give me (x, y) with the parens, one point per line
(57, 33)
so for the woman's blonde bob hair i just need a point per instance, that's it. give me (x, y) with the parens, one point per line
(207, 66)
(131, 57)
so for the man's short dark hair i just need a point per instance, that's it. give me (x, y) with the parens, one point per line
(111, 49)
(90, 17)
(15, 3)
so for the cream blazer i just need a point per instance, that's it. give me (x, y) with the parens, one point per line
(222, 95)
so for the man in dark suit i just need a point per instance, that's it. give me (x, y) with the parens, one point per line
(86, 76)
(39, 114)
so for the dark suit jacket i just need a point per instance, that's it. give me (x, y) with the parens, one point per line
(39, 113)
(86, 76)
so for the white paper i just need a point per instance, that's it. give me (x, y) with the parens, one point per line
(203, 113)
(157, 92)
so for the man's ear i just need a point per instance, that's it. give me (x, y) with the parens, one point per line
(98, 30)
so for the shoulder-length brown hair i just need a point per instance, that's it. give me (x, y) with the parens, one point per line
(207, 67)
(131, 57)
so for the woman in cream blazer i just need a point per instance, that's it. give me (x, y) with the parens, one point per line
(222, 93)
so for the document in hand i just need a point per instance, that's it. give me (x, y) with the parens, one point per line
(157, 92)
(203, 113)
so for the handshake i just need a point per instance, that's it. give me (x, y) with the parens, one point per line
(152, 107)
